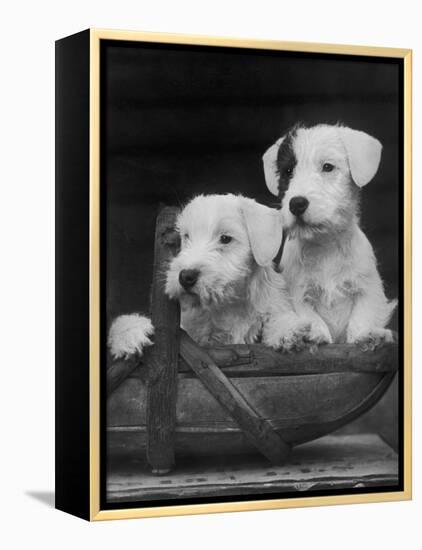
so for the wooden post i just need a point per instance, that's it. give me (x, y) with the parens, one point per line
(162, 357)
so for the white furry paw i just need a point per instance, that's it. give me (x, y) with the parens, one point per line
(319, 334)
(370, 340)
(294, 338)
(129, 334)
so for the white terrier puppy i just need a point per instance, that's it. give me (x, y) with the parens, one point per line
(224, 279)
(328, 263)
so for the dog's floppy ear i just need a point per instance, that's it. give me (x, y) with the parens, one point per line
(364, 154)
(270, 166)
(264, 230)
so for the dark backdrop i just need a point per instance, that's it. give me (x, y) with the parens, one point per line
(182, 120)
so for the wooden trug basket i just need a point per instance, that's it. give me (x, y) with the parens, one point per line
(183, 398)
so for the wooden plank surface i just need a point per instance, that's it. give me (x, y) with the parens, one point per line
(119, 370)
(255, 427)
(331, 462)
(292, 400)
(161, 359)
(257, 359)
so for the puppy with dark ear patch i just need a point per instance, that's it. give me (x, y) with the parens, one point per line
(328, 263)
(225, 280)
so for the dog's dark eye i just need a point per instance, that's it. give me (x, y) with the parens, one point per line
(288, 171)
(185, 236)
(327, 167)
(225, 239)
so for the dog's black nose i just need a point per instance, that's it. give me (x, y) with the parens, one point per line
(188, 277)
(298, 205)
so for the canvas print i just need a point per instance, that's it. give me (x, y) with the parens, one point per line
(251, 274)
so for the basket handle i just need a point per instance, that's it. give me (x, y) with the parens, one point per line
(257, 429)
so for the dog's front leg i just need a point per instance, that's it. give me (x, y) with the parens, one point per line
(286, 331)
(370, 314)
(129, 334)
(319, 333)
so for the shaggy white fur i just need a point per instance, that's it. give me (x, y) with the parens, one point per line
(229, 242)
(129, 334)
(328, 263)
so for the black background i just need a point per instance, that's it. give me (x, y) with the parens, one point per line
(183, 120)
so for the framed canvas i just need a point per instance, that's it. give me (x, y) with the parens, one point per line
(233, 274)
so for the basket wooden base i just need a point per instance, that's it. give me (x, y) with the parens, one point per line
(332, 462)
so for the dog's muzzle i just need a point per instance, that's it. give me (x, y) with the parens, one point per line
(298, 205)
(188, 278)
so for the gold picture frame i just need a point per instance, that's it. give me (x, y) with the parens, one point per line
(95, 512)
